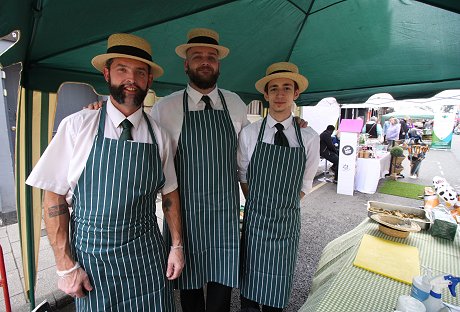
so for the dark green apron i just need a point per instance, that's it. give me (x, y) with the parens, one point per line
(271, 223)
(115, 234)
(207, 174)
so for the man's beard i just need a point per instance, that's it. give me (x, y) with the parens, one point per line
(201, 82)
(117, 92)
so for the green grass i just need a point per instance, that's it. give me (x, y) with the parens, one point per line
(402, 189)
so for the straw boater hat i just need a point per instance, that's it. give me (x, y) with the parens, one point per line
(202, 37)
(127, 46)
(395, 226)
(282, 70)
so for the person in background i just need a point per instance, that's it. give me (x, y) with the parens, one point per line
(403, 129)
(386, 125)
(336, 139)
(393, 131)
(372, 128)
(416, 152)
(409, 124)
(329, 151)
(277, 163)
(108, 165)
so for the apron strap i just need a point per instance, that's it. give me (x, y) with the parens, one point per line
(222, 99)
(262, 130)
(185, 101)
(297, 132)
(101, 126)
(149, 125)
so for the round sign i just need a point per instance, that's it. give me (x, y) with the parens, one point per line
(347, 150)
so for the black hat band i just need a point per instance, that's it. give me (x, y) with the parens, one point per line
(281, 71)
(129, 50)
(203, 39)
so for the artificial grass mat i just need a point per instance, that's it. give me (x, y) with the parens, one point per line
(402, 189)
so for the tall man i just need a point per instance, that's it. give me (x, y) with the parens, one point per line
(204, 122)
(108, 165)
(277, 162)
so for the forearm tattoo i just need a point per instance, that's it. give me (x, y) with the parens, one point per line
(167, 203)
(57, 210)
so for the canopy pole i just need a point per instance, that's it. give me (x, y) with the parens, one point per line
(28, 202)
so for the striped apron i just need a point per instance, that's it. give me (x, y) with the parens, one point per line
(115, 235)
(208, 186)
(271, 224)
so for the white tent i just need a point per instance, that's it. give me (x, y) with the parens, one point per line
(326, 112)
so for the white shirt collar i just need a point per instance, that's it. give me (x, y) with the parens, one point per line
(117, 117)
(286, 123)
(196, 96)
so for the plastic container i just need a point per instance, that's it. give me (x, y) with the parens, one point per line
(409, 304)
(434, 302)
(420, 288)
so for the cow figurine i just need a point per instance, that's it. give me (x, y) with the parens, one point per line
(445, 191)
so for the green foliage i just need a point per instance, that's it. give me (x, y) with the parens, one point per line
(397, 151)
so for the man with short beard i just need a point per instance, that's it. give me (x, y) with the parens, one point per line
(108, 165)
(204, 122)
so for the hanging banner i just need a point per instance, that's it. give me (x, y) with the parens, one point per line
(443, 125)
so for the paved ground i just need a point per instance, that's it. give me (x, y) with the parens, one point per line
(325, 216)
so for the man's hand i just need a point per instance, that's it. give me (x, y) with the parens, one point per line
(175, 263)
(94, 105)
(302, 123)
(75, 284)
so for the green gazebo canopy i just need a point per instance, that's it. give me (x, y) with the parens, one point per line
(347, 49)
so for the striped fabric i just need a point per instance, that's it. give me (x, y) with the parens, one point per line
(115, 234)
(271, 224)
(34, 126)
(207, 175)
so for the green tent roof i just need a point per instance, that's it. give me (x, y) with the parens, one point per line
(347, 49)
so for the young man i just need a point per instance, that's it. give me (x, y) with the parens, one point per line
(204, 122)
(277, 162)
(108, 165)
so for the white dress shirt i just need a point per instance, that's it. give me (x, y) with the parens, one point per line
(169, 112)
(248, 141)
(59, 168)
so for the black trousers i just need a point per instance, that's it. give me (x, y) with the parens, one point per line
(334, 159)
(218, 298)
(252, 306)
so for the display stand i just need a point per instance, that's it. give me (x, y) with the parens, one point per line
(349, 131)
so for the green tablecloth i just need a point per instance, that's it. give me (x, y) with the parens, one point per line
(340, 286)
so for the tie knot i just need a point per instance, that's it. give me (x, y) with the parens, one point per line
(279, 127)
(207, 100)
(126, 124)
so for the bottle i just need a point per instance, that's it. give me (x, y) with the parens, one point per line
(434, 302)
(420, 287)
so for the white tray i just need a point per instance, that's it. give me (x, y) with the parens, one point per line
(424, 222)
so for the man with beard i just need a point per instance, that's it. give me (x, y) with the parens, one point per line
(204, 122)
(108, 165)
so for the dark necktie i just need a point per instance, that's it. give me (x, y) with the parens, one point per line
(280, 138)
(126, 133)
(207, 101)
